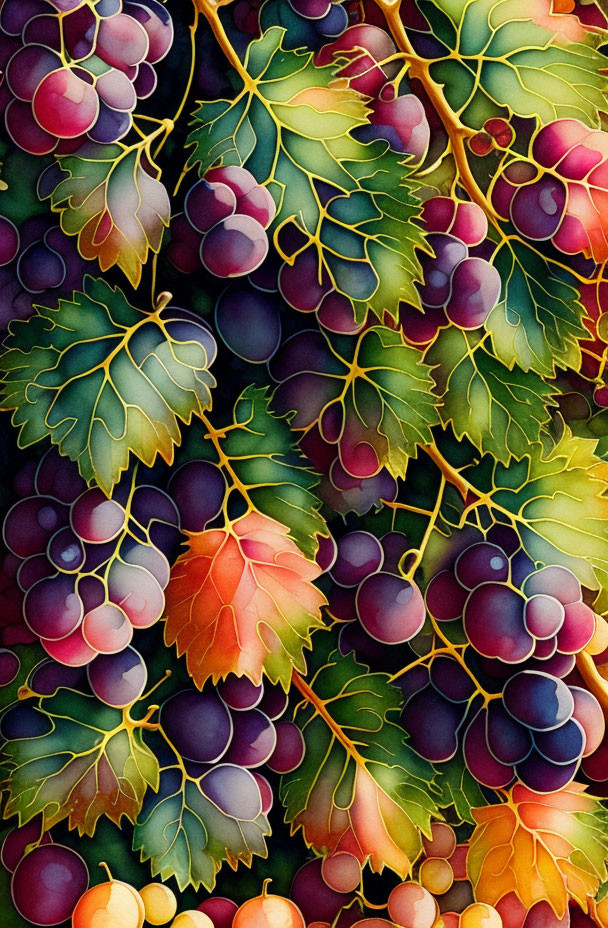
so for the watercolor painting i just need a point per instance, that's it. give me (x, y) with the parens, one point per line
(304, 463)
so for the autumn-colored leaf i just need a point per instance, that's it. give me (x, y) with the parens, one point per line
(549, 847)
(241, 600)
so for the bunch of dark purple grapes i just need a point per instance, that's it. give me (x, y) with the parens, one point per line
(75, 70)
(38, 264)
(502, 689)
(223, 226)
(90, 569)
(228, 735)
(460, 285)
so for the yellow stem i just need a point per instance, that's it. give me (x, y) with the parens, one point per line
(419, 552)
(594, 681)
(319, 706)
(449, 472)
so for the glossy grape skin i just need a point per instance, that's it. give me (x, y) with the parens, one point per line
(481, 563)
(537, 209)
(52, 608)
(494, 623)
(198, 725)
(249, 323)
(289, 750)
(475, 289)
(445, 597)
(577, 629)
(259, 204)
(234, 790)
(19, 839)
(543, 615)
(137, 592)
(538, 700)
(107, 629)
(39, 268)
(365, 45)
(207, 203)
(554, 581)
(118, 679)
(413, 905)
(401, 121)
(239, 693)
(563, 745)
(438, 270)
(66, 551)
(254, 739)
(432, 723)
(64, 105)
(240, 180)
(158, 24)
(95, 518)
(149, 557)
(359, 555)
(47, 884)
(198, 489)
(234, 247)
(390, 609)
(122, 42)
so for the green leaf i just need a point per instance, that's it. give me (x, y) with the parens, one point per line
(364, 234)
(513, 57)
(186, 835)
(262, 453)
(360, 787)
(118, 208)
(501, 411)
(458, 788)
(91, 761)
(538, 318)
(103, 380)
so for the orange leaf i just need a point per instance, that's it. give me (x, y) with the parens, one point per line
(241, 600)
(548, 847)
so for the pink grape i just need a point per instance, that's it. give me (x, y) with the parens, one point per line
(254, 739)
(19, 839)
(121, 41)
(64, 105)
(47, 884)
(137, 592)
(107, 629)
(208, 203)
(265, 792)
(364, 45)
(588, 713)
(402, 121)
(240, 180)
(95, 518)
(52, 608)
(115, 89)
(158, 25)
(289, 751)
(259, 204)
(390, 608)
(341, 872)
(543, 615)
(220, 910)
(73, 651)
(476, 287)
(577, 629)
(234, 247)
(470, 223)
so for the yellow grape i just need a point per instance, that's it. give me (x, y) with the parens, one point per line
(412, 906)
(192, 918)
(113, 904)
(341, 872)
(480, 915)
(442, 842)
(436, 875)
(159, 902)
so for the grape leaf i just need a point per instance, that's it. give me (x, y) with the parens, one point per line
(539, 317)
(274, 475)
(360, 787)
(186, 835)
(458, 788)
(241, 600)
(116, 206)
(498, 57)
(364, 232)
(378, 388)
(549, 847)
(103, 380)
(92, 761)
(500, 410)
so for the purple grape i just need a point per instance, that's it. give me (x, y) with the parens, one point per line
(65, 550)
(438, 270)
(146, 81)
(157, 22)
(451, 679)
(537, 209)
(198, 489)
(543, 615)
(445, 598)
(240, 693)
(9, 666)
(206, 204)
(412, 681)
(327, 552)
(149, 505)
(29, 524)
(563, 745)
(353, 637)
(313, 896)
(560, 665)
(20, 839)
(265, 792)
(15, 14)
(588, 713)
(359, 555)
(56, 476)
(290, 748)
(544, 649)
(24, 721)
(259, 204)
(394, 545)
(34, 569)
(299, 282)
(476, 287)
(554, 581)
(542, 776)
(432, 723)
(249, 323)
(118, 679)
(52, 608)
(9, 241)
(274, 702)
(234, 791)
(521, 567)
(480, 762)
(95, 518)
(390, 608)
(311, 9)
(401, 120)
(234, 247)
(334, 23)
(40, 268)
(538, 700)
(49, 675)
(254, 739)
(494, 623)
(481, 563)
(198, 725)
(47, 884)
(110, 126)
(508, 740)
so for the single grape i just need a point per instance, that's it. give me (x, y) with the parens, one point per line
(23, 721)
(220, 910)
(313, 896)
(198, 725)
(240, 693)
(554, 581)
(334, 23)
(341, 872)
(274, 701)
(303, 284)
(451, 679)
(25, 132)
(537, 209)
(327, 552)
(118, 679)
(438, 270)
(107, 629)
(560, 665)
(148, 557)
(29, 524)
(198, 489)
(476, 287)
(541, 915)
(563, 745)
(289, 751)
(359, 555)
(27, 67)
(137, 592)
(158, 24)
(56, 476)
(40, 268)
(234, 791)
(588, 713)
(207, 203)
(47, 884)
(122, 42)
(9, 666)
(390, 608)
(538, 700)
(47, 676)
(65, 105)
(116, 90)
(234, 247)
(445, 597)
(481, 563)
(52, 608)
(442, 842)
(254, 739)
(494, 623)
(15, 14)
(73, 650)
(436, 875)
(146, 81)
(259, 204)
(480, 915)
(432, 723)
(544, 649)
(469, 223)
(114, 903)
(543, 615)
(249, 323)
(95, 518)
(509, 741)
(411, 905)
(577, 629)
(22, 838)
(159, 902)
(479, 760)
(65, 551)
(542, 775)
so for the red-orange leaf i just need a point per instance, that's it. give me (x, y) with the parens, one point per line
(541, 847)
(241, 600)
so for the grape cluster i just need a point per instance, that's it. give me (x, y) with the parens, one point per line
(75, 70)
(225, 736)
(496, 133)
(460, 287)
(223, 226)
(38, 264)
(523, 628)
(308, 23)
(91, 569)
